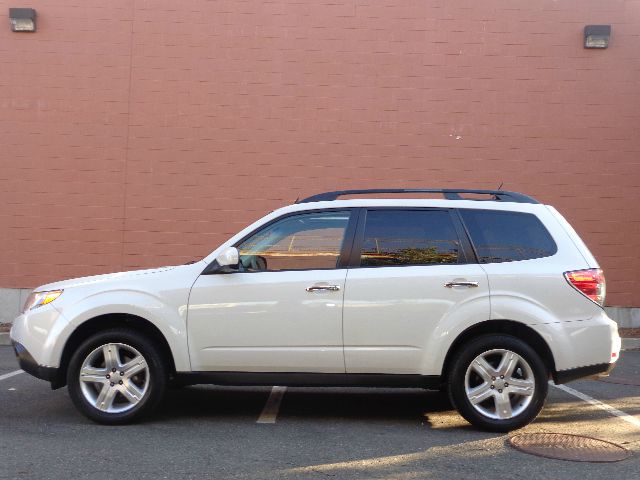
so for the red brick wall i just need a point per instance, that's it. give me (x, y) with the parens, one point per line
(141, 133)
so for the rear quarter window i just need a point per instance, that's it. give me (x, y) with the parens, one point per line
(507, 236)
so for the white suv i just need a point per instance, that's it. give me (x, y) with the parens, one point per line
(486, 294)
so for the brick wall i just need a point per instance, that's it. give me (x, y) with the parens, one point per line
(140, 133)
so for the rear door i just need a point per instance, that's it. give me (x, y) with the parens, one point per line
(411, 277)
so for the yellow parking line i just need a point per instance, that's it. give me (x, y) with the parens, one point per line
(270, 411)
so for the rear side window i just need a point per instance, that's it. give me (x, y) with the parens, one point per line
(507, 236)
(409, 237)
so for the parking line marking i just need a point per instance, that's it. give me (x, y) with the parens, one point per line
(608, 408)
(271, 408)
(10, 374)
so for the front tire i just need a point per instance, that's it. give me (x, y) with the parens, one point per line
(116, 376)
(498, 383)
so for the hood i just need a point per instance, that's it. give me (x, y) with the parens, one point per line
(82, 281)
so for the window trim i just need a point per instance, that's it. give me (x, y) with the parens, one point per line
(463, 232)
(466, 253)
(347, 242)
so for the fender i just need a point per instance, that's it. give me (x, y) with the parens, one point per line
(509, 305)
(168, 316)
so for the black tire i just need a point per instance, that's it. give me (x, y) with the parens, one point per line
(153, 379)
(526, 409)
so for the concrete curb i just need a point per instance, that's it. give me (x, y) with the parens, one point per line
(630, 343)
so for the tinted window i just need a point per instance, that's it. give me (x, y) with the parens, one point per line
(298, 242)
(507, 236)
(409, 237)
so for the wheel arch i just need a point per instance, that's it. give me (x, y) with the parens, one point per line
(509, 327)
(104, 322)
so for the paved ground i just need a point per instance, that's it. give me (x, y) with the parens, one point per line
(212, 432)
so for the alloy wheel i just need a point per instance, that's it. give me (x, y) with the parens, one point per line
(499, 384)
(114, 378)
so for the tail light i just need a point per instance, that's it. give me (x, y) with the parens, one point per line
(589, 282)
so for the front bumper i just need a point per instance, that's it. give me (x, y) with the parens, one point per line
(29, 365)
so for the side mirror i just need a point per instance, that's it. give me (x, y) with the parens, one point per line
(227, 261)
(229, 257)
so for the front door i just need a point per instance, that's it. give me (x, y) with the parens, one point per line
(282, 310)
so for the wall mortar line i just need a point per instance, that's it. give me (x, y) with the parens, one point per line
(125, 168)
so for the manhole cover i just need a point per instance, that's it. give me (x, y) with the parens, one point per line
(564, 446)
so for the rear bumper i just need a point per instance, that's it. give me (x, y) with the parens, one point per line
(565, 376)
(29, 365)
(582, 344)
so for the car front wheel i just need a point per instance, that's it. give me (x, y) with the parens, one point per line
(116, 376)
(498, 383)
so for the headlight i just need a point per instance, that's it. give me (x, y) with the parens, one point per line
(38, 299)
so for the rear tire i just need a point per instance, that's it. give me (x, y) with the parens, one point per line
(116, 376)
(498, 383)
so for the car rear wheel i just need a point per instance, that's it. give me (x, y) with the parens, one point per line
(498, 383)
(116, 376)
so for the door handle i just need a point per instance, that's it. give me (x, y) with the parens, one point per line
(461, 284)
(318, 288)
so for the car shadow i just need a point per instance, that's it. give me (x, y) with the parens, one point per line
(363, 404)
(357, 404)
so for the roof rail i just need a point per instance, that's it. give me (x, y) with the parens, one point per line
(448, 193)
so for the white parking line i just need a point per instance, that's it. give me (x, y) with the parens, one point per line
(270, 410)
(608, 408)
(10, 374)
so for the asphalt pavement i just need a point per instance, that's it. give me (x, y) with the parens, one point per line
(214, 432)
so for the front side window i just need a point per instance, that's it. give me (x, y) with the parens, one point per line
(409, 237)
(307, 241)
(501, 236)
